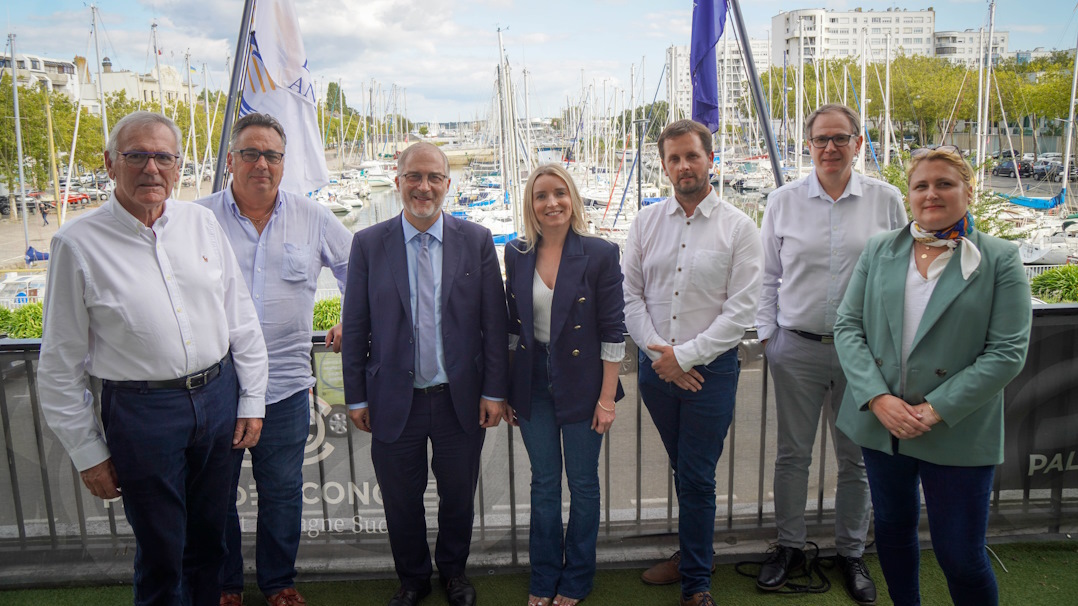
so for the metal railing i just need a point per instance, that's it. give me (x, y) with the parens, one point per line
(53, 531)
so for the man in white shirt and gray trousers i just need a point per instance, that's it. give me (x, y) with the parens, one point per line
(145, 293)
(692, 266)
(814, 230)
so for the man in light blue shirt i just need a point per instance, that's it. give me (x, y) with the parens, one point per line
(282, 242)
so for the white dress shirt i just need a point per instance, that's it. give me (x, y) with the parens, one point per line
(691, 282)
(811, 246)
(280, 267)
(129, 303)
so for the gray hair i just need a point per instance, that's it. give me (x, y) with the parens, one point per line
(256, 119)
(139, 120)
(834, 108)
(403, 158)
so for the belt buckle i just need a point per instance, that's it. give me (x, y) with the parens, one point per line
(195, 381)
(827, 340)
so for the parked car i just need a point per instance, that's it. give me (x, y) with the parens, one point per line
(1005, 154)
(1055, 172)
(77, 197)
(95, 193)
(1042, 169)
(1012, 168)
(1050, 156)
(1029, 157)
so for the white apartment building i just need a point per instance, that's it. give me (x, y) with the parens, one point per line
(964, 46)
(138, 87)
(730, 65)
(828, 34)
(32, 69)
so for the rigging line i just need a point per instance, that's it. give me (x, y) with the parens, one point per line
(636, 161)
(951, 122)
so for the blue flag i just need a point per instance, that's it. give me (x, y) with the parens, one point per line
(708, 20)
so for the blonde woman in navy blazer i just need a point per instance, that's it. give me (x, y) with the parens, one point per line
(565, 301)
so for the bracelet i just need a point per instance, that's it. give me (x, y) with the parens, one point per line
(604, 407)
(871, 400)
(939, 419)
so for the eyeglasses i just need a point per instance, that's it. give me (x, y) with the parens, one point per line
(252, 155)
(840, 141)
(949, 149)
(434, 179)
(138, 159)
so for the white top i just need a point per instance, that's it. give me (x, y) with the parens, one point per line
(542, 301)
(691, 282)
(129, 303)
(811, 246)
(918, 292)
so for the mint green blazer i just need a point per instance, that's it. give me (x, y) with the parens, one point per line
(971, 342)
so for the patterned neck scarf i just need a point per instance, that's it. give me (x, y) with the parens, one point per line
(951, 237)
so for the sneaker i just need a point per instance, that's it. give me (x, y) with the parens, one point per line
(858, 582)
(776, 569)
(666, 572)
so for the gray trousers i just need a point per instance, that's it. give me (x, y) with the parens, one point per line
(805, 373)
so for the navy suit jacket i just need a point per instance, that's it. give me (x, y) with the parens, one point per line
(377, 347)
(587, 310)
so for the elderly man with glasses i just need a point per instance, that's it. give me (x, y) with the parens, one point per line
(145, 293)
(813, 232)
(282, 241)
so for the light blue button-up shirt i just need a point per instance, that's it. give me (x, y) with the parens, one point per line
(411, 247)
(281, 267)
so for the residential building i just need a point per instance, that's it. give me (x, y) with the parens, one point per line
(728, 54)
(33, 69)
(965, 46)
(142, 88)
(828, 34)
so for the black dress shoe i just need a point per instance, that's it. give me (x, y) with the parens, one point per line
(460, 592)
(777, 567)
(409, 597)
(858, 582)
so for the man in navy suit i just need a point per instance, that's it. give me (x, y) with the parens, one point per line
(425, 357)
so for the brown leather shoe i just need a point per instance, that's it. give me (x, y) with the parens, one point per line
(697, 599)
(231, 599)
(666, 572)
(286, 597)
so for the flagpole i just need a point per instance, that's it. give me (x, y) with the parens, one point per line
(239, 71)
(757, 93)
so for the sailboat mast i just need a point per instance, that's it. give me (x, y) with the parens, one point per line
(864, 106)
(100, 83)
(1065, 173)
(799, 94)
(18, 138)
(157, 67)
(987, 82)
(887, 106)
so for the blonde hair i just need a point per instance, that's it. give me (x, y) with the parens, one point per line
(532, 230)
(953, 158)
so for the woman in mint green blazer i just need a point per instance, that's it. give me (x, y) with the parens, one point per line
(933, 326)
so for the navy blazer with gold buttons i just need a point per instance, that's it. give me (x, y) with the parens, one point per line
(587, 310)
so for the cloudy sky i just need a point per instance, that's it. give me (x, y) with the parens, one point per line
(444, 52)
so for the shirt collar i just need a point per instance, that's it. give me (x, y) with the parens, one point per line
(128, 220)
(853, 187)
(230, 202)
(706, 206)
(434, 230)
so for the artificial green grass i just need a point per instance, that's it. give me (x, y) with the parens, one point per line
(1040, 573)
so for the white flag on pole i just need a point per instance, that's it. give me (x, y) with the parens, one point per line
(278, 83)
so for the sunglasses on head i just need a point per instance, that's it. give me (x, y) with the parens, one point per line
(950, 149)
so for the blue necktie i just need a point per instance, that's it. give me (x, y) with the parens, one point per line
(425, 334)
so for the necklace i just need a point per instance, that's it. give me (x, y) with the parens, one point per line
(258, 223)
(924, 255)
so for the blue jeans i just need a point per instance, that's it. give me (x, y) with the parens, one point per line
(565, 566)
(693, 427)
(172, 452)
(957, 499)
(277, 466)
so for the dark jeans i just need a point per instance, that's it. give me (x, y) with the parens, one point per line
(172, 452)
(957, 499)
(565, 566)
(277, 466)
(693, 427)
(401, 469)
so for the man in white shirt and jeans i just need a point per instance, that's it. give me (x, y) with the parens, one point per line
(145, 293)
(693, 266)
(814, 230)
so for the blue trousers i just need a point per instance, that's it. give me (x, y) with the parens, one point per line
(957, 499)
(564, 565)
(693, 427)
(173, 455)
(277, 466)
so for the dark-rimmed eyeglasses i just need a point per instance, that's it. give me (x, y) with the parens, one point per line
(839, 140)
(949, 149)
(434, 179)
(252, 155)
(138, 159)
